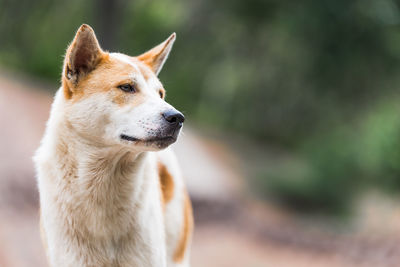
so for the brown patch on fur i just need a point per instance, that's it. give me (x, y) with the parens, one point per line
(72, 88)
(155, 57)
(106, 78)
(152, 58)
(67, 91)
(166, 183)
(122, 98)
(187, 229)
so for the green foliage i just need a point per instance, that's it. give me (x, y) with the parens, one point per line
(337, 165)
(380, 145)
(328, 178)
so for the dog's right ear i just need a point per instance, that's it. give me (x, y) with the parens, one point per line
(83, 55)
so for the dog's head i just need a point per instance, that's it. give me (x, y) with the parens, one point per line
(116, 99)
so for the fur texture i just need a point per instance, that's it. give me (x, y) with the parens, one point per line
(107, 200)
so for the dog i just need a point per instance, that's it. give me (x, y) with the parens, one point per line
(111, 191)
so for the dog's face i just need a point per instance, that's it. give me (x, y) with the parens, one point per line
(115, 99)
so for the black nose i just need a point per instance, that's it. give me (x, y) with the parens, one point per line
(174, 117)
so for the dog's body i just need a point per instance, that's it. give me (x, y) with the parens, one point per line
(109, 195)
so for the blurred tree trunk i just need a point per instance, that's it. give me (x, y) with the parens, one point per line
(106, 19)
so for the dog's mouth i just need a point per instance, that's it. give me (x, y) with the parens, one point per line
(128, 138)
(161, 142)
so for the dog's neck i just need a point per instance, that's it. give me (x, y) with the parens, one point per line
(104, 183)
(100, 171)
(101, 181)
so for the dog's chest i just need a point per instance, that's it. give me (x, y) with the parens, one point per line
(105, 225)
(131, 240)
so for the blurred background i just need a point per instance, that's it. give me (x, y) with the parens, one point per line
(292, 147)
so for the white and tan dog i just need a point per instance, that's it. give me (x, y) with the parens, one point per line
(111, 193)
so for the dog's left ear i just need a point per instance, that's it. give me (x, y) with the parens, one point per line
(156, 57)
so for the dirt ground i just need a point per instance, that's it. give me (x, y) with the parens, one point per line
(232, 228)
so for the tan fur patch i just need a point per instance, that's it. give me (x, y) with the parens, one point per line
(166, 183)
(187, 228)
(121, 98)
(155, 57)
(108, 75)
(71, 89)
(152, 58)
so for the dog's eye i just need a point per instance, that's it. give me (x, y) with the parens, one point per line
(129, 88)
(161, 93)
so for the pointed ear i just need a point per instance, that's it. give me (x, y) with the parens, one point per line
(156, 57)
(82, 55)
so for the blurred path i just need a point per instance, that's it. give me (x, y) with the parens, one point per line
(231, 230)
(23, 114)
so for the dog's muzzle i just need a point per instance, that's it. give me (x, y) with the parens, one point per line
(174, 120)
(168, 132)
